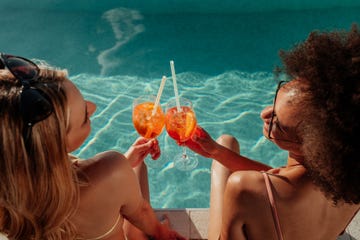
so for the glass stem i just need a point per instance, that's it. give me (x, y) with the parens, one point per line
(184, 152)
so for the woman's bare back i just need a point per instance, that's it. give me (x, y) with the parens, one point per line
(303, 211)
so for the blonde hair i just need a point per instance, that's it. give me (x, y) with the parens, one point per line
(39, 190)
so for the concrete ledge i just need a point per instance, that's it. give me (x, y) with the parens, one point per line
(192, 223)
(353, 230)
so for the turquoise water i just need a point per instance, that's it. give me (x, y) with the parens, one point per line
(224, 55)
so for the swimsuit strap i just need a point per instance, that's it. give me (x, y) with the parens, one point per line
(108, 232)
(273, 206)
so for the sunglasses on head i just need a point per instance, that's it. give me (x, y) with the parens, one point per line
(34, 104)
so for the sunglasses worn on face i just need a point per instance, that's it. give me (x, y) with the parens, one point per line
(34, 104)
(273, 113)
(278, 126)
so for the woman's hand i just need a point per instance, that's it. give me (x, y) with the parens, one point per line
(202, 143)
(140, 149)
(166, 233)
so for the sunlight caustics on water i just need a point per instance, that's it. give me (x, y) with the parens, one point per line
(224, 55)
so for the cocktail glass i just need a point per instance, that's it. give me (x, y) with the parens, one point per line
(180, 125)
(148, 123)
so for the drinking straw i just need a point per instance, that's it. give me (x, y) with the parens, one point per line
(175, 85)
(157, 100)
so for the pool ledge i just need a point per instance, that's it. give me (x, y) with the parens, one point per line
(192, 223)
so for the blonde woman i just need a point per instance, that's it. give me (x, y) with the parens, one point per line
(45, 193)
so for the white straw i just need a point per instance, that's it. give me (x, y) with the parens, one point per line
(175, 85)
(157, 101)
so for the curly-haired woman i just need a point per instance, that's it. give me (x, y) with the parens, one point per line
(315, 117)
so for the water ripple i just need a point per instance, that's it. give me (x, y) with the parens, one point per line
(227, 103)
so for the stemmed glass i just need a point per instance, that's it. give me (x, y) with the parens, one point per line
(180, 125)
(148, 122)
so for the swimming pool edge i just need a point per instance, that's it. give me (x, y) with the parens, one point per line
(192, 223)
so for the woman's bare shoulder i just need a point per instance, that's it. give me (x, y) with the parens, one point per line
(104, 192)
(107, 158)
(246, 194)
(104, 166)
(246, 181)
(247, 187)
(107, 173)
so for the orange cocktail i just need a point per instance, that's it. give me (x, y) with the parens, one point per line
(148, 123)
(180, 125)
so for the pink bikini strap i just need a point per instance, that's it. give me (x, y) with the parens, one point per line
(273, 206)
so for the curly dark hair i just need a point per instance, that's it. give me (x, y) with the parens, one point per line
(329, 64)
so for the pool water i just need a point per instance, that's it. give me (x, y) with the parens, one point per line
(224, 57)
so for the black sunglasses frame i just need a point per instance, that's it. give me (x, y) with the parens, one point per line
(35, 105)
(273, 113)
(24, 69)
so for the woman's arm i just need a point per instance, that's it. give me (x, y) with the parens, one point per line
(145, 219)
(203, 144)
(236, 162)
(136, 209)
